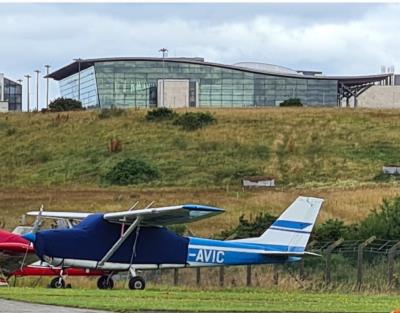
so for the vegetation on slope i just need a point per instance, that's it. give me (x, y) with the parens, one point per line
(296, 146)
(249, 300)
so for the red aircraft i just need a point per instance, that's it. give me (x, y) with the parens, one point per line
(16, 252)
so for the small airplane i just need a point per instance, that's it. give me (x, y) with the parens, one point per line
(138, 240)
(18, 258)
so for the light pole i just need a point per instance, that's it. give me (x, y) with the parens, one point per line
(16, 106)
(37, 90)
(47, 84)
(79, 60)
(164, 52)
(27, 89)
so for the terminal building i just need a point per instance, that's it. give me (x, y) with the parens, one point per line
(193, 82)
(10, 95)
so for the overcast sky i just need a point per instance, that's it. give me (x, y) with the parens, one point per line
(339, 39)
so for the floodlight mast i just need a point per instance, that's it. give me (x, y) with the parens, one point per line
(27, 89)
(164, 52)
(47, 84)
(37, 90)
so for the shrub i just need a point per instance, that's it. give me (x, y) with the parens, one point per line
(194, 120)
(11, 131)
(291, 102)
(160, 114)
(110, 112)
(131, 171)
(65, 104)
(332, 230)
(385, 177)
(248, 228)
(384, 222)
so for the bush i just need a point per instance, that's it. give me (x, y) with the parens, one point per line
(11, 131)
(131, 171)
(160, 114)
(384, 222)
(249, 228)
(194, 120)
(291, 102)
(332, 230)
(385, 177)
(111, 112)
(65, 104)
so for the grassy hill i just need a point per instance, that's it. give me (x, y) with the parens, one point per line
(297, 146)
(60, 160)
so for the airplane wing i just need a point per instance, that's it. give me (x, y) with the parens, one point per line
(186, 213)
(60, 215)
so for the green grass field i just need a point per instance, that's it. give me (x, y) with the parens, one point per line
(297, 146)
(231, 300)
(59, 160)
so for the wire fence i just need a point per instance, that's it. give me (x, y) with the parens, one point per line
(358, 265)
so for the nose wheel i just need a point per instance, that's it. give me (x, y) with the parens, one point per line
(137, 283)
(57, 283)
(105, 282)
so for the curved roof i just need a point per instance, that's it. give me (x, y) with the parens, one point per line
(265, 67)
(73, 68)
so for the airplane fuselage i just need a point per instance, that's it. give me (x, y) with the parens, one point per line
(148, 248)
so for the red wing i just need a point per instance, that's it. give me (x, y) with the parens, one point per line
(15, 248)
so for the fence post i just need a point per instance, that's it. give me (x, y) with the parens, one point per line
(221, 276)
(248, 275)
(276, 275)
(176, 276)
(360, 259)
(302, 274)
(328, 254)
(301, 269)
(198, 276)
(391, 256)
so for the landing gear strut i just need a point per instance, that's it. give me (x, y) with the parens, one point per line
(105, 282)
(57, 282)
(137, 283)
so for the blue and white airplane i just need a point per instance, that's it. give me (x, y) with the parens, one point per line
(138, 240)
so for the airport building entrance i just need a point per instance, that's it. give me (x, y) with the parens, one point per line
(176, 93)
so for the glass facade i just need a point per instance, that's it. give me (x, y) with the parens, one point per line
(133, 83)
(69, 87)
(13, 94)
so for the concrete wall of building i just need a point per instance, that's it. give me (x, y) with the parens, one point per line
(380, 97)
(3, 106)
(173, 93)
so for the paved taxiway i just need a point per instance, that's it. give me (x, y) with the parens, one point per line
(7, 306)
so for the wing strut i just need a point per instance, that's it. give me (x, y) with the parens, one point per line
(119, 242)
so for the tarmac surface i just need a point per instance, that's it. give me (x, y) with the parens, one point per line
(7, 306)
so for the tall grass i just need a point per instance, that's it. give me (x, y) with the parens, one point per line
(297, 146)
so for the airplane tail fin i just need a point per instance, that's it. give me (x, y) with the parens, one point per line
(291, 231)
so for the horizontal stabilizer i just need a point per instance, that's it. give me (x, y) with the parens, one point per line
(291, 253)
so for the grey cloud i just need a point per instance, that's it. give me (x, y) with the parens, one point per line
(335, 38)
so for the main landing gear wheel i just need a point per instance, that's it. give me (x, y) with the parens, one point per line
(137, 283)
(105, 282)
(57, 282)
